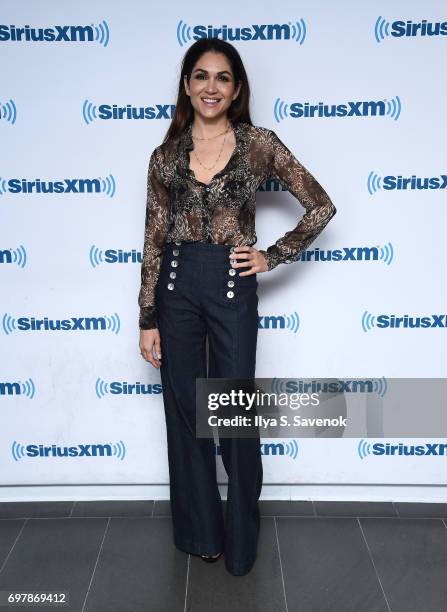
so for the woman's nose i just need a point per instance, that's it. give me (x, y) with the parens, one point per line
(211, 86)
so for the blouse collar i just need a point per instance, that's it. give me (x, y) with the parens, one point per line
(186, 144)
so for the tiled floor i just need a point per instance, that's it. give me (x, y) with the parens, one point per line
(312, 557)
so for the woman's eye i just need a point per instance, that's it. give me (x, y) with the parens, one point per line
(222, 77)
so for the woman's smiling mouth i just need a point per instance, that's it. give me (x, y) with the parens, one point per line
(210, 101)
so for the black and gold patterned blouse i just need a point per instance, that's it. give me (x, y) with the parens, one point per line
(180, 207)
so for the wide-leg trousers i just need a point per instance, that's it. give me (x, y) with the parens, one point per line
(200, 297)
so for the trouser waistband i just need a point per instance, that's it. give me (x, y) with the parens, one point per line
(200, 251)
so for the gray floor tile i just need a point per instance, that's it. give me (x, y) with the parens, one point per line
(55, 555)
(139, 569)
(327, 567)
(286, 508)
(9, 530)
(412, 509)
(212, 589)
(354, 508)
(137, 507)
(162, 507)
(35, 509)
(410, 556)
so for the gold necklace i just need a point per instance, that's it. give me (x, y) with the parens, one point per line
(197, 138)
(220, 152)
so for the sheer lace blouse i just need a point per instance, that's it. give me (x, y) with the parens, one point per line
(180, 207)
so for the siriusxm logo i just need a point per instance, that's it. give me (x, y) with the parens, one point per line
(378, 386)
(400, 29)
(105, 323)
(57, 33)
(275, 449)
(98, 185)
(366, 108)
(91, 112)
(391, 321)
(380, 253)
(402, 183)
(113, 256)
(14, 256)
(386, 449)
(271, 185)
(291, 322)
(295, 31)
(8, 111)
(116, 450)
(25, 389)
(115, 387)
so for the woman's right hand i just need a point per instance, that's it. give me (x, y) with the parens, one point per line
(150, 347)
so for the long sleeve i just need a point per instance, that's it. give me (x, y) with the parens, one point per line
(319, 208)
(156, 226)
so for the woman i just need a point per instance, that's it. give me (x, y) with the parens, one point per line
(199, 284)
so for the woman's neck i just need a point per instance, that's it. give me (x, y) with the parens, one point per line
(209, 129)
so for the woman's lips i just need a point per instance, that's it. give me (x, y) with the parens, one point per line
(205, 101)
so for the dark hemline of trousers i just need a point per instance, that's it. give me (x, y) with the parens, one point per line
(198, 301)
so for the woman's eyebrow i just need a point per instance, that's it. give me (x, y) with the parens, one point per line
(219, 72)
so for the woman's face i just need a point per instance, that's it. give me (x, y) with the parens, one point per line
(211, 79)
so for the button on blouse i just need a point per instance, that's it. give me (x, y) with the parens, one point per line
(180, 207)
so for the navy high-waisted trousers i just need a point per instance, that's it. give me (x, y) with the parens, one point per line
(198, 296)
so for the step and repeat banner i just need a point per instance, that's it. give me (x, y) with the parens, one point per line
(87, 92)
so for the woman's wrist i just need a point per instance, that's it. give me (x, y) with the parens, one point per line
(148, 317)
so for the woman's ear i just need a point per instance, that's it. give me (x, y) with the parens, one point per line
(238, 89)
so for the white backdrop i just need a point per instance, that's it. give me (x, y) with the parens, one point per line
(62, 252)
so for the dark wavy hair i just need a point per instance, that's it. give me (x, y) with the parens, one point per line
(237, 112)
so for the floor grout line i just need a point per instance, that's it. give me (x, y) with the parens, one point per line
(374, 565)
(165, 516)
(187, 582)
(96, 563)
(280, 563)
(13, 546)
